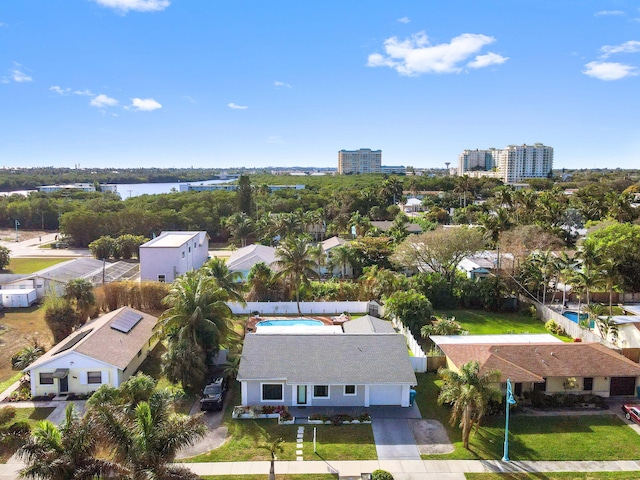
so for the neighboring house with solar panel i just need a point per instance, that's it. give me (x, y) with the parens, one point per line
(107, 350)
(172, 254)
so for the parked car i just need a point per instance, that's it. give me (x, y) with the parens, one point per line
(632, 412)
(213, 394)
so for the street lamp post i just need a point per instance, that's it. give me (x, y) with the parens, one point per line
(510, 401)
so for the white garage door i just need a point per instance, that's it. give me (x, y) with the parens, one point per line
(385, 395)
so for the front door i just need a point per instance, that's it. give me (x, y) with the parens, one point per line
(63, 385)
(302, 395)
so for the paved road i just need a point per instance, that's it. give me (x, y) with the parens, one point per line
(394, 439)
(29, 248)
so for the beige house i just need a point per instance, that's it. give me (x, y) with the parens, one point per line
(107, 350)
(551, 367)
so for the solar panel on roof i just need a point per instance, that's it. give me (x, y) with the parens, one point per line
(126, 320)
(74, 341)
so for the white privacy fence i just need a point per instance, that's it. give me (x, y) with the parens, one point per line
(307, 308)
(419, 359)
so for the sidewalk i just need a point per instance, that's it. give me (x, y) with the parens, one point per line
(401, 469)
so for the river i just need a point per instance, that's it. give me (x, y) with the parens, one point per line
(128, 190)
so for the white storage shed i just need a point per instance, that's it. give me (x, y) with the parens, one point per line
(18, 298)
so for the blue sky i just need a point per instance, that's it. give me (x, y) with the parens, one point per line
(217, 83)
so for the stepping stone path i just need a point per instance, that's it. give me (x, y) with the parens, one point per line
(299, 441)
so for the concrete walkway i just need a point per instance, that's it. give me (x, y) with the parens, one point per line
(401, 469)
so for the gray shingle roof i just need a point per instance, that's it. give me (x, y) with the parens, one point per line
(368, 324)
(327, 359)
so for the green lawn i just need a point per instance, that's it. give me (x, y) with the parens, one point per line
(344, 442)
(29, 415)
(480, 322)
(555, 476)
(30, 265)
(7, 383)
(591, 437)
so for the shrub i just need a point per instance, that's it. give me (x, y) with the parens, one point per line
(7, 414)
(19, 429)
(381, 475)
(553, 327)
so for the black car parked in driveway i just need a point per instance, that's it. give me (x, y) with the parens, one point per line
(213, 394)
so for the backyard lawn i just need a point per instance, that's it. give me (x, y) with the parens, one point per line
(25, 265)
(344, 442)
(480, 322)
(589, 437)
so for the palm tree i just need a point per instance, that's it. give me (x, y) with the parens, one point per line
(442, 326)
(80, 292)
(65, 453)
(230, 281)
(469, 393)
(261, 283)
(295, 264)
(608, 328)
(147, 438)
(341, 256)
(241, 226)
(273, 447)
(196, 323)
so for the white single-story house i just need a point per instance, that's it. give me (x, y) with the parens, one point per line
(243, 259)
(627, 336)
(172, 254)
(327, 370)
(554, 367)
(368, 324)
(107, 350)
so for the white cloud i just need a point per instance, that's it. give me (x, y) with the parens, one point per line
(281, 84)
(60, 91)
(136, 5)
(86, 93)
(189, 98)
(609, 70)
(603, 13)
(102, 100)
(18, 75)
(404, 20)
(144, 104)
(237, 107)
(632, 46)
(482, 61)
(416, 56)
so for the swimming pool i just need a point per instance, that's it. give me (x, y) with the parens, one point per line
(573, 316)
(292, 322)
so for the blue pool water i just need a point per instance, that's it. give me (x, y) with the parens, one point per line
(573, 316)
(293, 322)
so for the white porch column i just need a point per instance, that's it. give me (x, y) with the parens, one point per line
(366, 395)
(243, 389)
(406, 400)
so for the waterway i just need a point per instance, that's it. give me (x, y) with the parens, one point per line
(128, 190)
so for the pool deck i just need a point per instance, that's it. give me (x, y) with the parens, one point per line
(254, 320)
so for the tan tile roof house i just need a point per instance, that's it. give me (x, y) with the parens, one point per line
(549, 364)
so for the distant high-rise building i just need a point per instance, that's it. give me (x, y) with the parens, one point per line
(364, 160)
(512, 164)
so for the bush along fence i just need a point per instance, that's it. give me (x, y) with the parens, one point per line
(419, 359)
(309, 308)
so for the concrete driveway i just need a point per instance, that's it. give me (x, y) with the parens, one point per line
(394, 439)
(215, 436)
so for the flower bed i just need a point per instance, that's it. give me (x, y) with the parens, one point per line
(339, 419)
(258, 412)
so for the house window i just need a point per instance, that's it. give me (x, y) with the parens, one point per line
(162, 278)
(139, 352)
(94, 377)
(46, 379)
(321, 391)
(272, 392)
(349, 389)
(587, 384)
(540, 386)
(183, 254)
